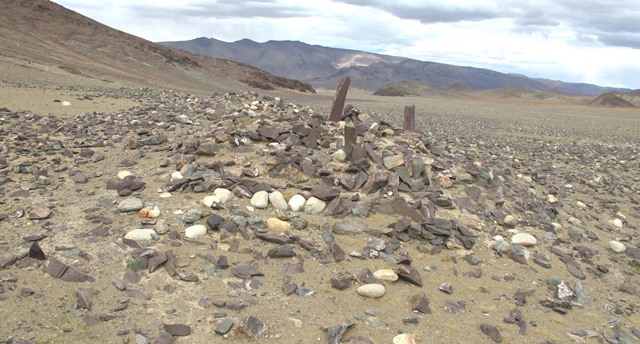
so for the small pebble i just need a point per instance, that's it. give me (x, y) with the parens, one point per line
(195, 231)
(372, 290)
(617, 246)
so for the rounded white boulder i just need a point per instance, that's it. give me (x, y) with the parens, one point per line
(141, 234)
(372, 290)
(524, 239)
(195, 231)
(296, 203)
(277, 200)
(260, 200)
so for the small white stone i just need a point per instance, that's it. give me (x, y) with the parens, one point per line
(165, 195)
(580, 204)
(195, 231)
(209, 200)
(510, 221)
(124, 174)
(572, 220)
(552, 199)
(223, 194)
(260, 200)
(617, 223)
(404, 338)
(617, 246)
(524, 239)
(527, 179)
(372, 290)
(151, 213)
(387, 275)
(296, 203)
(176, 176)
(339, 156)
(66, 103)
(314, 205)
(278, 226)
(130, 204)
(219, 196)
(277, 200)
(141, 234)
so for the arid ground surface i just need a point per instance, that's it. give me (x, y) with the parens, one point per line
(565, 174)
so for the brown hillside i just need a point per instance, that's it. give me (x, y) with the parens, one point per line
(611, 100)
(50, 37)
(414, 88)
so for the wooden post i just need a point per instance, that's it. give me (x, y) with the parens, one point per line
(339, 99)
(409, 118)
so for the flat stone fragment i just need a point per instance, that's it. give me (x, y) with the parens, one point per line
(253, 327)
(7, 260)
(492, 332)
(409, 274)
(245, 271)
(178, 330)
(79, 178)
(393, 161)
(336, 332)
(325, 193)
(372, 290)
(39, 213)
(67, 273)
(84, 297)
(420, 303)
(224, 326)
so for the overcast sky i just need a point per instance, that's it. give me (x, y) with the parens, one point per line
(592, 41)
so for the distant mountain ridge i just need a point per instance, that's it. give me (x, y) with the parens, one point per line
(323, 67)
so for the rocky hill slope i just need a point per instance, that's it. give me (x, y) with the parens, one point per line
(43, 35)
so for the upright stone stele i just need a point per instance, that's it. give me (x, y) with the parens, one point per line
(339, 99)
(409, 118)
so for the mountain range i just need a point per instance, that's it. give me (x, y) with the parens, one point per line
(323, 67)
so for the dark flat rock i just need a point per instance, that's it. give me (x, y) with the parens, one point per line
(420, 303)
(84, 297)
(281, 252)
(253, 327)
(36, 252)
(245, 271)
(178, 330)
(336, 332)
(224, 326)
(409, 274)
(67, 273)
(324, 192)
(492, 332)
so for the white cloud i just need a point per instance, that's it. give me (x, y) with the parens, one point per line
(590, 41)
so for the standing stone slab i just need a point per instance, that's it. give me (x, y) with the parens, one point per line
(339, 99)
(409, 118)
